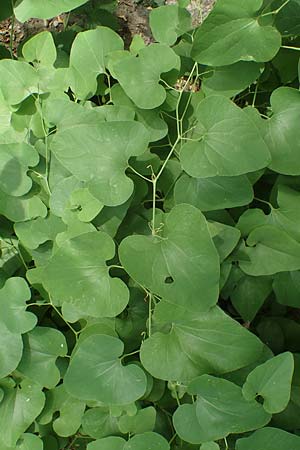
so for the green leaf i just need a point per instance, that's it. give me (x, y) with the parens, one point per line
(187, 344)
(249, 293)
(210, 446)
(220, 409)
(270, 250)
(168, 22)
(91, 49)
(288, 19)
(209, 194)
(86, 204)
(232, 79)
(25, 9)
(20, 406)
(271, 380)
(224, 237)
(99, 423)
(283, 131)
(15, 159)
(233, 32)
(269, 439)
(109, 443)
(33, 233)
(143, 421)
(19, 209)
(104, 170)
(6, 9)
(14, 321)
(30, 442)
(40, 49)
(70, 411)
(18, 80)
(106, 379)
(147, 441)
(139, 76)
(42, 346)
(150, 118)
(77, 275)
(185, 237)
(287, 216)
(286, 286)
(225, 142)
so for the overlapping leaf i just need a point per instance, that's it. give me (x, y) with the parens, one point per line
(14, 321)
(106, 379)
(42, 347)
(146, 441)
(25, 9)
(140, 76)
(220, 409)
(69, 408)
(77, 276)
(106, 147)
(233, 32)
(168, 22)
(272, 381)
(91, 49)
(185, 238)
(18, 80)
(269, 439)
(186, 344)
(18, 409)
(214, 193)
(283, 135)
(225, 142)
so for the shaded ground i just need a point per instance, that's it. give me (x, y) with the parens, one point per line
(133, 19)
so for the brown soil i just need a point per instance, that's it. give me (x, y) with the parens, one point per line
(133, 19)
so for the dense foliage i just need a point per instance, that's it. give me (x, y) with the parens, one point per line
(150, 233)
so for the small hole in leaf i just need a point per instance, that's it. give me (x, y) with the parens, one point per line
(169, 280)
(259, 399)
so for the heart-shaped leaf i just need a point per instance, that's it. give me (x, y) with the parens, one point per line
(18, 80)
(282, 134)
(270, 250)
(33, 233)
(106, 379)
(225, 142)
(187, 344)
(140, 76)
(220, 409)
(42, 347)
(214, 193)
(77, 275)
(185, 237)
(27, 399)
(91, 49)
(104, 168)
(272, 381)
(69, 408)
(40, 49)
(14, 321)
(269, 439)
(15, 159)
(168, 22)
(25, 9)
(233, 32)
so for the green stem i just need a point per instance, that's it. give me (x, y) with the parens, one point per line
(129, 354)
(255, 95)
(139, 174)
(150, 315)
(291, 48)
(276, 11)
